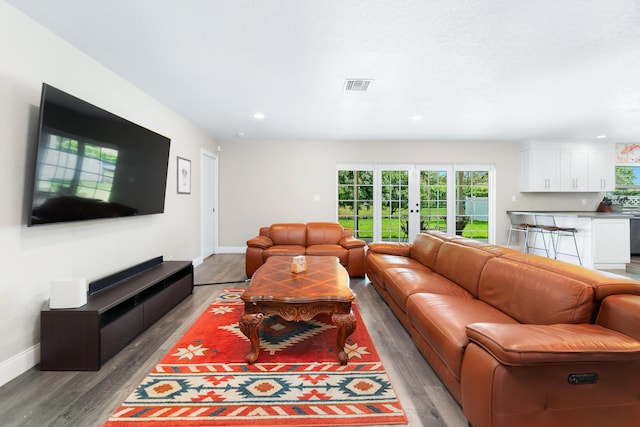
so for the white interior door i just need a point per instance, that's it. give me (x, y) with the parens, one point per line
(209, 214)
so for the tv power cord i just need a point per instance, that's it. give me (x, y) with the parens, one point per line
(223, 283)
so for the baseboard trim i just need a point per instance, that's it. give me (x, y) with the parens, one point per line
(232, 250)
(19, 364)
(609, 266)
(196, 262)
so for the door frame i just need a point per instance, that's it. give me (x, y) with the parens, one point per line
(205, 191)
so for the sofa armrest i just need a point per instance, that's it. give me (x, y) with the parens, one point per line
(351, 243)
(530, 345)
(262, 242)
(391, 248)
(621, 313)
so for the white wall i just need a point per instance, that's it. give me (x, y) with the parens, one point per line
(260, 183)
(31, 257)
(263, 182)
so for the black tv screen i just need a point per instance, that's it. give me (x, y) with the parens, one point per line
(93, 164)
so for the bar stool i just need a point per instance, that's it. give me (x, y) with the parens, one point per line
(519, 224)
(543, 225)
(547, 225)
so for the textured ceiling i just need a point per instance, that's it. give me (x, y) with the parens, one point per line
(482, 70)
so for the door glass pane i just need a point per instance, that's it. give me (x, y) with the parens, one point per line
(472, 207)
(433, 200)
(355, 202)
(394, 205)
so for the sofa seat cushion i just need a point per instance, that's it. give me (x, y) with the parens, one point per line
(283, 250)
(441, 321)
(378, 262)
(329, 250)
(403, 282)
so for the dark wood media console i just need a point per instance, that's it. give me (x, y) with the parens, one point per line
(83, 338)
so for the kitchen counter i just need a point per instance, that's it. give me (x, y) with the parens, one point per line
(580, 214)
(603, 238)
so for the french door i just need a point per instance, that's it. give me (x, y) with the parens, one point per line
(410, 198)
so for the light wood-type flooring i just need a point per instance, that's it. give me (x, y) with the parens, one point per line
(86, 399)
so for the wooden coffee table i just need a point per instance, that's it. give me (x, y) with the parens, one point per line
(275, 289)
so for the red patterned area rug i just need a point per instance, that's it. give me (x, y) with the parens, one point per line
(296, 381)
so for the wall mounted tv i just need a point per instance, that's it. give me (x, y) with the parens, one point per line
(93, 164)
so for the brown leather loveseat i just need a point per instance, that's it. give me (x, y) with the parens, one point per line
(518, 339)
(313, 238)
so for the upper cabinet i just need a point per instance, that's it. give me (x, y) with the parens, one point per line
(540, 170)
(561, 166)
(602, 169)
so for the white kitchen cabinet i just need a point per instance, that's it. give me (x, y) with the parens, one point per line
(574, 172)
(540, 170)
(602, 174)
(611, 245)
(561, 166)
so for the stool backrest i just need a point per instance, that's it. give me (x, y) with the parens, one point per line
(518, 220)
(545, 220)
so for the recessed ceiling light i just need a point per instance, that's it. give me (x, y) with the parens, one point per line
(258, 116)
(601, 136)
(416, 118)
(240, 134)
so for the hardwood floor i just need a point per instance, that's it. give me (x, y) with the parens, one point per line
(41, 399)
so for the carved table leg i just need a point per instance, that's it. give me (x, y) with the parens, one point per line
(346, 324)
(249, 326)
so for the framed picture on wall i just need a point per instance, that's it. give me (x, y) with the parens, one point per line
(184, 176)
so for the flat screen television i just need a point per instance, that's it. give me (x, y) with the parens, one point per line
(93, 164)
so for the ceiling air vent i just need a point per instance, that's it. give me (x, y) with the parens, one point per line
(357, 85)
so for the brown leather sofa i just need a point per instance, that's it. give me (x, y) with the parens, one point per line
(313, 238)
(518, 339)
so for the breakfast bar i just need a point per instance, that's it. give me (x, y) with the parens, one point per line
(602, 238)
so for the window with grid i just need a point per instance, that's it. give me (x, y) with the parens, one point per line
(76, 168)
(433, 200)
(394, 189)
(355, 202)
(471, 199)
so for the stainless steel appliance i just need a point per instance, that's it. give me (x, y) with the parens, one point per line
(634, 228)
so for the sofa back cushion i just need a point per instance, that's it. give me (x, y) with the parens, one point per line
(288, 234)
(534, 295)
(424, 249)
(462, 264)
(324, 233)
(603, 284)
